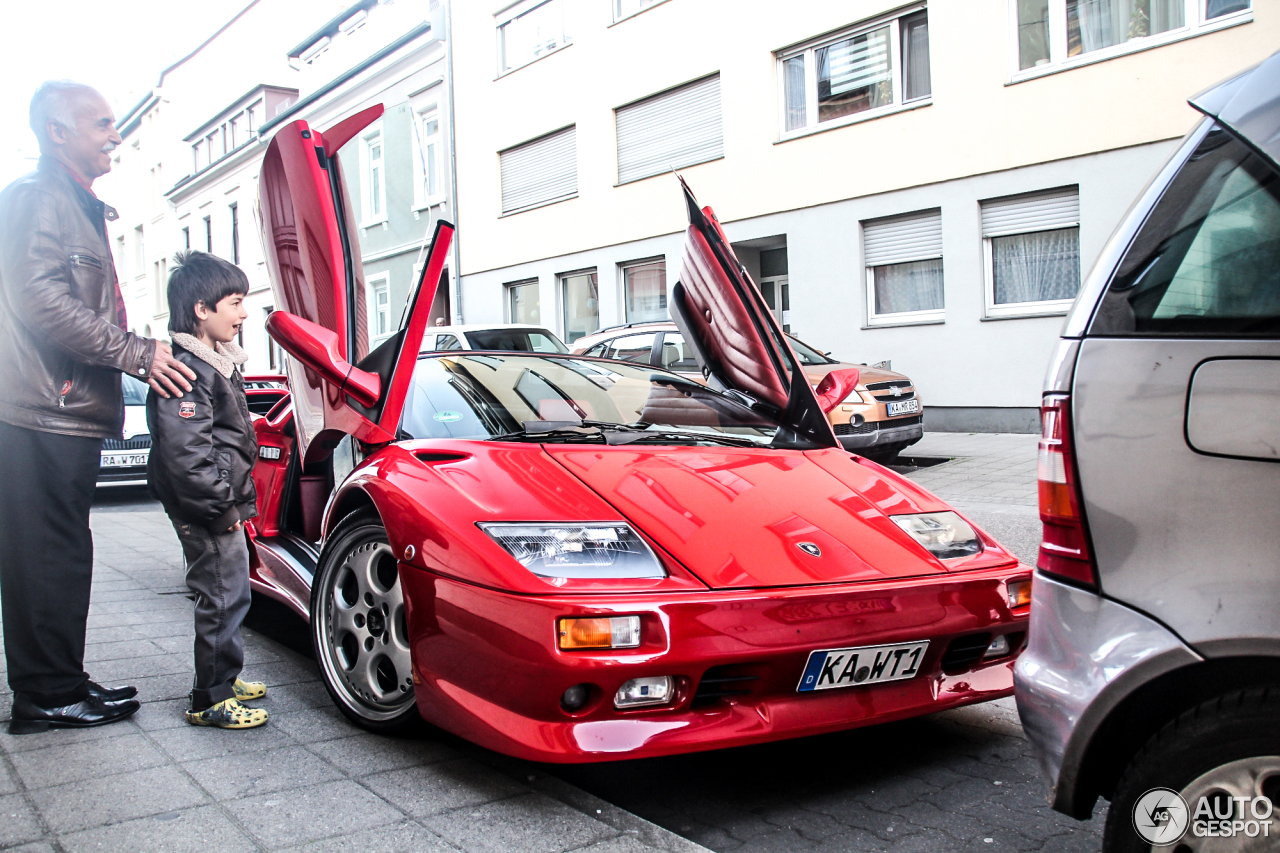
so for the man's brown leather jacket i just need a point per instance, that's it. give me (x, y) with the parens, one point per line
(61, 350)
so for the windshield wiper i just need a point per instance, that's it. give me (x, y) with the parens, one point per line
(615, 434)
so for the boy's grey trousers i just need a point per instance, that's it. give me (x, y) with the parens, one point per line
(218, 573)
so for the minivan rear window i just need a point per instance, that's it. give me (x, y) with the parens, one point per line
(1207, 261)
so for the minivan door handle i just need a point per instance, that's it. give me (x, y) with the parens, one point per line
(1233, 408)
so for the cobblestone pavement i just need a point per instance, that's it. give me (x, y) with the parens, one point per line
(308, 780)
(962, 780)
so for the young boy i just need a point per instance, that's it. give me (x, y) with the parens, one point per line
(202, 453)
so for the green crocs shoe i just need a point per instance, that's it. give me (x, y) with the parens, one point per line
(228, 714)
(246, 690)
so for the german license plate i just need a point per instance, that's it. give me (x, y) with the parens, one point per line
(828, 668)
(123, 460)
(903, 407)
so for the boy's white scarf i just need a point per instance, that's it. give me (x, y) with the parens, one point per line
(227, 358)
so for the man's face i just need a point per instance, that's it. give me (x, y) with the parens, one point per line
(87, 147)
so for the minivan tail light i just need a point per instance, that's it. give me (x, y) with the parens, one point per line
(1064, 549)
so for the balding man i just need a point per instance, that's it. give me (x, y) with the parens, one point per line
(63, 345)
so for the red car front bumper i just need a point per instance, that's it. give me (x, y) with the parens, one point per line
(487, 666)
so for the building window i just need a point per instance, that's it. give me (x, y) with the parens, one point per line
(670, 130)
(208, 234)
(233, 132)
(429, 188)
(644, 288)
(161, 286)
(186, 237)
(580, 301)
(866, 70)
(380, 308)
(530, 30)
(373, 174)
(235, 233)
(540, 171)
(139, 253)
(157, 189)
(1031, 252)
(251, 118)
(1053, 34)
(903, 257)
(275, 355)
(120, 257)
(198, 156)
(522, 302)
(627, 8)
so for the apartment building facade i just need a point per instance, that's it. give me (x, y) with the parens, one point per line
(921, 183)
(187, 174)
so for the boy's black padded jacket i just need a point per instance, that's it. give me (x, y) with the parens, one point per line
(203, 449)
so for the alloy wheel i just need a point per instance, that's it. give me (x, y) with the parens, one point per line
(363, 638)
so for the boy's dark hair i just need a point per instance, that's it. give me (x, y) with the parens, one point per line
(200, 277)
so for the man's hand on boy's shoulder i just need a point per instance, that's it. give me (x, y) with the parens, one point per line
(169, 377)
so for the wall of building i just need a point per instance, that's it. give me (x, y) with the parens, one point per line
(976, 122)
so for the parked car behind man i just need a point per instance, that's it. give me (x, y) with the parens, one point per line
(881, 417)
(1154, 659)
(506, 337)
(124, 461)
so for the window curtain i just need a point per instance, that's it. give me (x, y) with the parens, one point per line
(1103, 23)
(914, 286)
(581, 306)
(915, 57)
(1036, 267)
(646, 293)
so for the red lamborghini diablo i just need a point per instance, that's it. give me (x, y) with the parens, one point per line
(568, 559)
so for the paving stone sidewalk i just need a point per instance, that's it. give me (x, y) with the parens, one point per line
(309, 780)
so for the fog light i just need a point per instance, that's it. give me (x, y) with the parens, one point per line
(999, 648)
(575, 697)
(1019, 593)
(654, 690)
(607, 632)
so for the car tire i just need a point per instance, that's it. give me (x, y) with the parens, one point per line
(358, 627)
(884, 454)
(1228, 746)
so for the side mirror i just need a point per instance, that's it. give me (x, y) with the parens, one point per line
(835, 387)
(317, 348)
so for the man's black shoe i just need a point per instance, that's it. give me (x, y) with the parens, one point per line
(28, 718)
(112, 694)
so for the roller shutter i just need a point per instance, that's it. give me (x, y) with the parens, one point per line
(539, 172)
(1041, 211)
(899, 239)
(671, 130)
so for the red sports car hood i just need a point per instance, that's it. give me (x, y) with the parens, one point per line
(738, 517)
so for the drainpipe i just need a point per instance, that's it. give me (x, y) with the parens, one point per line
(453, 167)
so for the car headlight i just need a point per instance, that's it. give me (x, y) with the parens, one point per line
(596, 549)
(945, 534)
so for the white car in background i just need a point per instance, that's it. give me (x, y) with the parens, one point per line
(504, 337)
(124, 461)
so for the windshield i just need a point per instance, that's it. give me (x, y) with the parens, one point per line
(135, 392)
(483, 396)
(516, 340)
(807, 354)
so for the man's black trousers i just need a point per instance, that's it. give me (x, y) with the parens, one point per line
(46, 560)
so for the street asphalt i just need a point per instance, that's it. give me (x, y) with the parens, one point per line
(309, 780)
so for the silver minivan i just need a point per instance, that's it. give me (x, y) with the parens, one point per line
(1152, 676)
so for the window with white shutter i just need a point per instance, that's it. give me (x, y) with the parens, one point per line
(903, 257)
(671, 130)
(540, 172)
(872, 68)
(1031, 252)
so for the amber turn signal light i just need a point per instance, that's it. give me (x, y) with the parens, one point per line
(1019, 594)
(599, 632)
